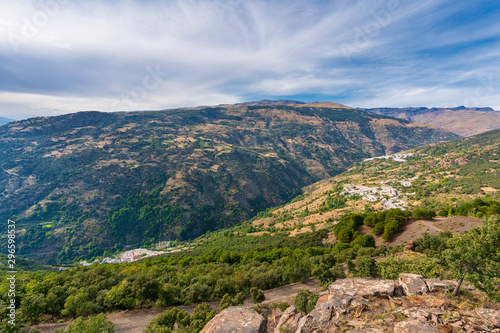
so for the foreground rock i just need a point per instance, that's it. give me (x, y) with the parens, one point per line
(362, 287)
(237, 319)
(411, 304)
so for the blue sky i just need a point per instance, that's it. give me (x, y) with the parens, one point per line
(61, 56)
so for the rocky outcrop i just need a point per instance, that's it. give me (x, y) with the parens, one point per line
(370, 306)
(362, 287)
(413, 284)
(237, 319)
(289, 319)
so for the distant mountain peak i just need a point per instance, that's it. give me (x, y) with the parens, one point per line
(266, 102)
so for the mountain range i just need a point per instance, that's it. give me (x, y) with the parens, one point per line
(82, 183)
(459, 120)
(4, 121)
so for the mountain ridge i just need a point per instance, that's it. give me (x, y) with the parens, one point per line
(82, 182)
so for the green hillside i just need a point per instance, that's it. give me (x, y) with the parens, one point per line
(440, 176)
(82, 183)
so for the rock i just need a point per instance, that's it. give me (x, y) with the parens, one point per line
(367, 330)
(237, 319)
(362, 287)
(490, 315)
(437, 285)
(416, 313)
(337, 301)
(289, 319)
(306, 324)
(410, 246)
(414, 326)
(429, 301)
(413, 284)
(276, 315)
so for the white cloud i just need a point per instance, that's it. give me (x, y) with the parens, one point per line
(90, 54)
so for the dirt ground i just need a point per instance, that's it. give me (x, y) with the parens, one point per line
(136, 321)
(415, 229)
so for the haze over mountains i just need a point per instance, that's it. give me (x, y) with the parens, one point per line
(4, 121)
(460, 120)
(82, 182)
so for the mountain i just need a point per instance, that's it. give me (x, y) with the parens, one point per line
(460, 120)
(4, 121)
(80, 183)
(444, 177)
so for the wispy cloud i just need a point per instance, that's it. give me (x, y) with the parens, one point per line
(59, 56)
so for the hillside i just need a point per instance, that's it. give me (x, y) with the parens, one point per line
(460, 120)
(438, 176)
(83, 182)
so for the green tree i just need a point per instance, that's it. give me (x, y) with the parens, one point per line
(257, 295)
(305, 300)
(474, 256)
(95, 324)
(33, 307)
(77, 305)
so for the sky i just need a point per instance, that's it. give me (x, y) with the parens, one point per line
(62, 56)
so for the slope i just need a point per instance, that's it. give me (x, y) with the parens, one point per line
(81, 183)
(439, 176)
(460, 120)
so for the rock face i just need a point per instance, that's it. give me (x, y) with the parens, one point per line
(237, 319)
(362, 287)
(413, 284)
(369, 306)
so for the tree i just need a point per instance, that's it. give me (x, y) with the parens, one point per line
(306, 300)
(77, 305)
(257, 295)
(474, 256)
(33, 306)
(95, 324)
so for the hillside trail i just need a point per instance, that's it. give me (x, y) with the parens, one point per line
(136, 321)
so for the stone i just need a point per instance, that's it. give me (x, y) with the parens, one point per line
(362, 287)
(414, 326)
(306, 324)
(429, 301)
(237, 319)
(410, 246)
(437, 285)
(413, 284)
(367, 330)
(416, 313)
(490, 315)
(289, 319)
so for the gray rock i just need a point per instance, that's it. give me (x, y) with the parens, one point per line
(414, 326)
(367, 330)
(413, 284)
(306, 325)
(490, 315)
(237, 319)
(362, 287)
(289, 319)
(437, 285)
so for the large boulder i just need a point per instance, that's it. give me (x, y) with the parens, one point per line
(362, 287)
(413, 284)
(414, 326)
(237, 319)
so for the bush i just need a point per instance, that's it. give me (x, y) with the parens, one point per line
(306, 300)
(420, 264)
